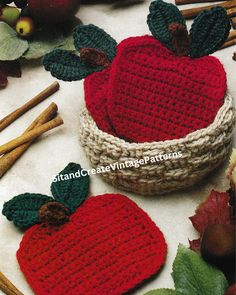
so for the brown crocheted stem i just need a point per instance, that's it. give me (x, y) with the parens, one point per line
(180, 39)
(54, 213)
(94, 57)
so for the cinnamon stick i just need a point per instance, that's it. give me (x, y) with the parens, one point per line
(182, 2)
(30, 135)
(6, 121)
(228, 43)
(7, 160)
(193, 12)
(7, 287)
(231, 40)
(233, 22)
(231, 11)
(232, 35)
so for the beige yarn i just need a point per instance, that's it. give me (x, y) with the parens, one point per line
(202, 151)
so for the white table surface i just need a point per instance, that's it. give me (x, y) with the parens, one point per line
(53, 151)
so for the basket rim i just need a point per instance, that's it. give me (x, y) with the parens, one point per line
(221, 116)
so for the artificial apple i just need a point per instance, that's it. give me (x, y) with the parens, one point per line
(53, 10)
(9, 15)
(218, 244)
(25, 27)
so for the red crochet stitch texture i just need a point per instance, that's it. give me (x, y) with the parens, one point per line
(96, 99)
(109, 246)
(153, 95)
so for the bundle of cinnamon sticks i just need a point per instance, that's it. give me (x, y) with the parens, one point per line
(230, 7)
(46, 121)
(7, 287)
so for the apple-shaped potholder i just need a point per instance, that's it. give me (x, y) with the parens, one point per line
(104, 245)
(151, 88)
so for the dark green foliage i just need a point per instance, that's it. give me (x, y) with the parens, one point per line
(90, 36)
(67, 66)
(73, 189)
(23, 209)
(209, 31)
(161, 15)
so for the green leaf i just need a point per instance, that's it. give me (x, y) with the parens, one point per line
(11, 46)
(163, 292)
(71, 188)
(192, 275)
(161, 15)
(50, 37)
(90, 36)
(23, 209)
(67, 66)
(209, 31)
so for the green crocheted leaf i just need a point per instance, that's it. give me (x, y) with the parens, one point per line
(161, 15)
(192, 275)
(209, 31)
(90, 36)
(23, 209)
(70, 187)
(67, 66)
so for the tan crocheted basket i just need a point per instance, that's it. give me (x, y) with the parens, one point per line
(202, 151)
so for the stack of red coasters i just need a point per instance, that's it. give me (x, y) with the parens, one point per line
(150, 94)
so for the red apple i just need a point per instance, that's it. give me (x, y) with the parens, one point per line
(53, 10)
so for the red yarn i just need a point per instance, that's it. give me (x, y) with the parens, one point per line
(96, 99)
(153, 95)
(109, 246)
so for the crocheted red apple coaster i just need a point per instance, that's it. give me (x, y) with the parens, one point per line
(106, 246)
(95, 87)
(155, 95)
(158, 87)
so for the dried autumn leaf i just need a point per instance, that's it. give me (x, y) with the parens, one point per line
(215, 210)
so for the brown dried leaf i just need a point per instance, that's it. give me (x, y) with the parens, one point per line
(215, 210)
(195, 245)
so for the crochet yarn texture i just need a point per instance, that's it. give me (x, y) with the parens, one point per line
(202, 151)
(156, 88)
(160, 94)
(154, 96)
(108, 246)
